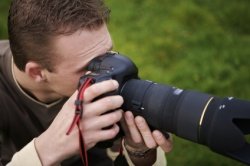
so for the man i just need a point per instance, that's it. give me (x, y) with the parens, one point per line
(50, 44)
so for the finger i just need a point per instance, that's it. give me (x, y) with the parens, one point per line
(102, 121)
(124, 125)
(100, 88)
(165, 144)
(102, 105)
(131, 126)
(145, 132)
(102, 135)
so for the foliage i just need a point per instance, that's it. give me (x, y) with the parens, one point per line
(4, 6)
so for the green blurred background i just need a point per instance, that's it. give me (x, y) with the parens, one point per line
(193, 44)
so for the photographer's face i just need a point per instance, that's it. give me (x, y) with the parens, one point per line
(74, 52)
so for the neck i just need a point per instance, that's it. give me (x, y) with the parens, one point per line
(39, 91)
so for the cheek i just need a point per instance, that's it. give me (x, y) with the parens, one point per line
(66, 86)
(72, 85)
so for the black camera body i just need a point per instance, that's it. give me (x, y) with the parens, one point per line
(111, 66)
(106, 67)
(222, 124)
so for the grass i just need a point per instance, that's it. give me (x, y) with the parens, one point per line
(193, 44)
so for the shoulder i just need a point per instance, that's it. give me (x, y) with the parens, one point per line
(4, 47)
(5, 102)
(5, 53)
(5, 58)
(5, 99)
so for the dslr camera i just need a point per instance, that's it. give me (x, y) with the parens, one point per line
(222, 124)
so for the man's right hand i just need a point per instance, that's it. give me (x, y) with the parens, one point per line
(53, 145)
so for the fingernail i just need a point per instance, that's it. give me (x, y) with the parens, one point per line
(128, 115)
(115, 83)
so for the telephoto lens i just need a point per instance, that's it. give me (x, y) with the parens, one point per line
(219, 123)
(222, 124)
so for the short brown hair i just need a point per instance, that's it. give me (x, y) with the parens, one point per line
(33, 23)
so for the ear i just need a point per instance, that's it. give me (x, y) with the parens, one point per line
(35, 71)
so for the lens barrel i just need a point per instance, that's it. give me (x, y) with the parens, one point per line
(219, 123)
(166, 108)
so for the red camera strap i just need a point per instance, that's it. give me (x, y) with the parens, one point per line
(78, 115)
